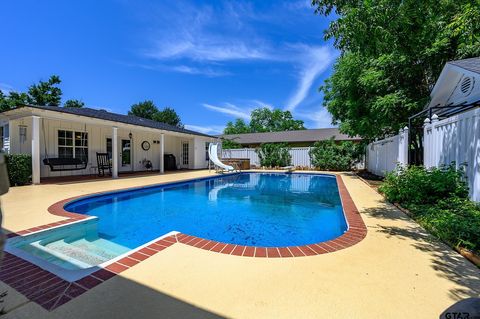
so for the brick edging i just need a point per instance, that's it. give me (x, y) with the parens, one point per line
(51, 291)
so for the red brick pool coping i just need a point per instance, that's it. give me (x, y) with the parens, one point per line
(50, 291)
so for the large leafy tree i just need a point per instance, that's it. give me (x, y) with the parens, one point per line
(148, 110)
(11, 100)
(262, 120)
(74, 104)
(392, 52)
(45, 92)
(145, 109)
(42, 93)
(169, 116)
(267, 120)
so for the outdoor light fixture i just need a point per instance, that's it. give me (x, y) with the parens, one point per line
(130, 135)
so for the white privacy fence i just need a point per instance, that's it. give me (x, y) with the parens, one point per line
(300, 156)
(384, 155)
(454, 139)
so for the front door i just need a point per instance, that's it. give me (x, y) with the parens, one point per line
(184, 156)
(125, 155)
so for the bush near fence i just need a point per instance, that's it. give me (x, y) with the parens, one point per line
(437, 199)
(336, 156)
(274, 155)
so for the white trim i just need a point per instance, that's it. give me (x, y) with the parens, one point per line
(35, 150)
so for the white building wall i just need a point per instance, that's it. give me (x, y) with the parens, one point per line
(97, 136)
(199, 152)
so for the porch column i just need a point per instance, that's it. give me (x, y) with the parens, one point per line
(162, 150)
(35, 150)
(114, 152)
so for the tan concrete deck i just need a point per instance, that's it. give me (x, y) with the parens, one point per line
(397, 271)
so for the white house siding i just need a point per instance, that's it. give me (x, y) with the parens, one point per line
(97, 135)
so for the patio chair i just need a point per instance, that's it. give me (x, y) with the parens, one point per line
(103, 163)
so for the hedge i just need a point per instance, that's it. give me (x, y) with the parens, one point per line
(19, 168)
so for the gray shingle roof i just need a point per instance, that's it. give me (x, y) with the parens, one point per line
(115, 117)
(290, 136)
(472, 64)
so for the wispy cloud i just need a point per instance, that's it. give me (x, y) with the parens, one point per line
(207, 34)
(229, 109)
(315, 60)
(319, 117)
(213, 129)
(6, 88)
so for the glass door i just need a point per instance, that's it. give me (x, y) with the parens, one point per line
(125, 155)
(185, 154)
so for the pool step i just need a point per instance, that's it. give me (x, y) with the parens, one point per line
(89, 252)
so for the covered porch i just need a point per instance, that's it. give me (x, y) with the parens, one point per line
(46, 135)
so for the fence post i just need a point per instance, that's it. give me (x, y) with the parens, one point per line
(403, 147)
(427, 142)
(433, 142)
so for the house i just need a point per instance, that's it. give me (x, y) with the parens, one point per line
(300, 138)
(47, 132)
(457, 88)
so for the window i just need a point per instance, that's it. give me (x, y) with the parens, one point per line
(1, 137)
(73, 145)
(22, 133)
(109, 147)
(207, 157)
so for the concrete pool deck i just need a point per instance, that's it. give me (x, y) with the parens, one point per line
(397, 271)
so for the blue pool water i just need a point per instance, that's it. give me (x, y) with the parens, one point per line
(257, 209)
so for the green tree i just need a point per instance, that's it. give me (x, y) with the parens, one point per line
(168, 116)
(12, 100)
(262, 120)
(267, 120)
(145, 109)
(74, 104)
(391, 55)
(45, 93)
(237, 127)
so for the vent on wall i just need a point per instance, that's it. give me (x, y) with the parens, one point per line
(466, 86)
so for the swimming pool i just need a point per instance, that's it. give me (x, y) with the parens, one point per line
(244, 209)
(252, 209)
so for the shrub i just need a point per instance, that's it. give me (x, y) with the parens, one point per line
(454, 220)
(437, 199)
(274, 154)
(417, 185)
(19, 167)
(332, 156)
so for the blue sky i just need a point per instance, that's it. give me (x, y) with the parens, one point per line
(212, 61)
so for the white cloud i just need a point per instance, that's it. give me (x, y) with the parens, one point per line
(229, 109)
(207, 34)
(214, 129)
(208, 49)
(209, 72)
(315, 61)
(317, 118)
(243, 111)
(6, 88)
